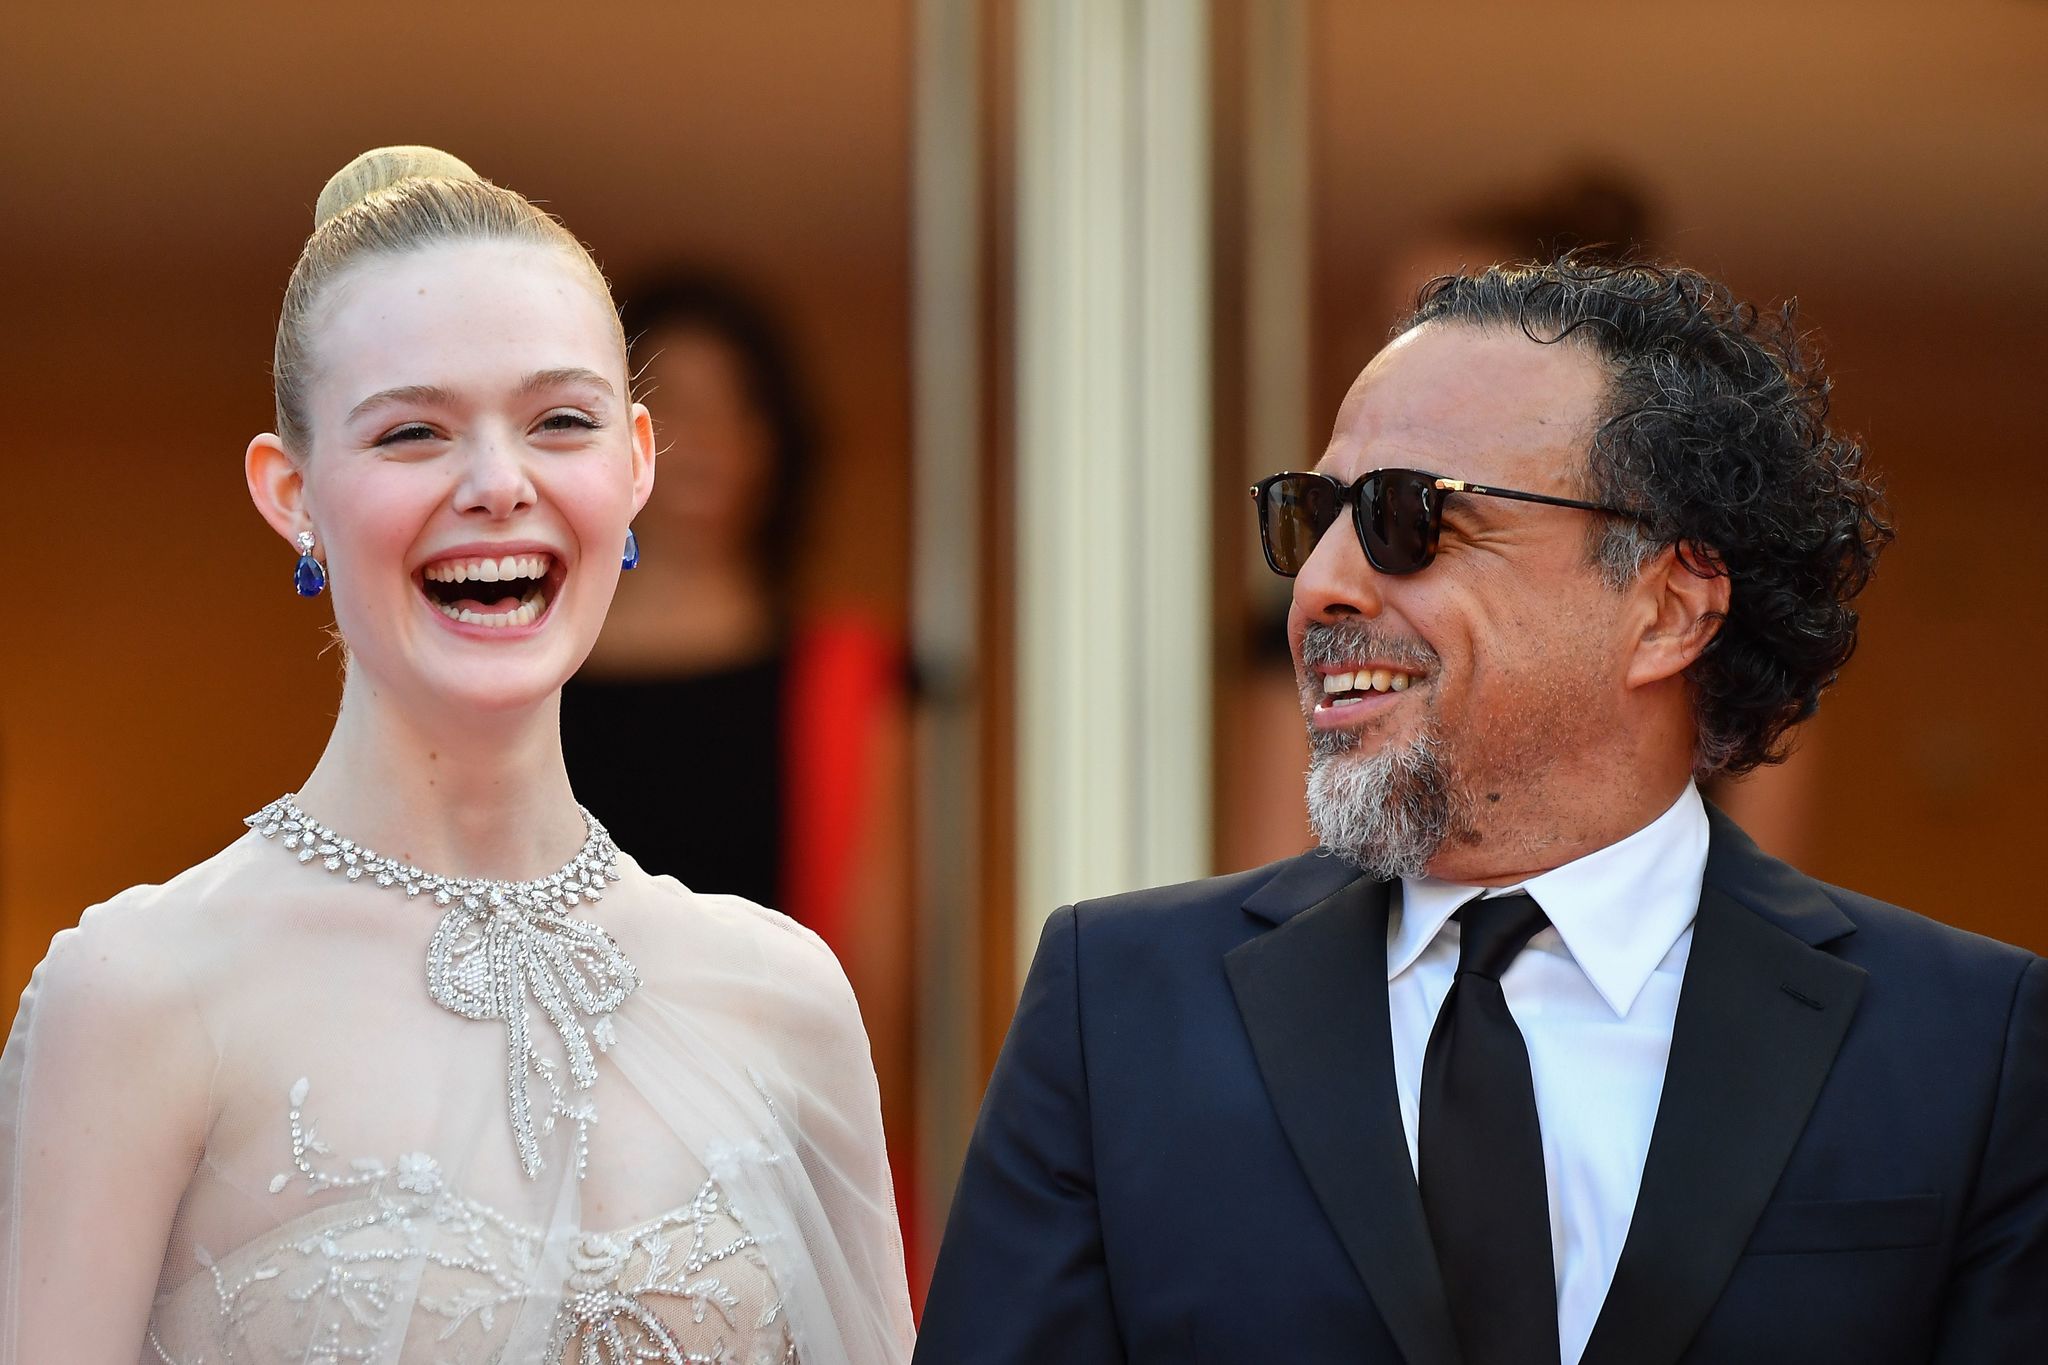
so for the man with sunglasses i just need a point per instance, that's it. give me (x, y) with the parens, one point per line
(1538, 1059)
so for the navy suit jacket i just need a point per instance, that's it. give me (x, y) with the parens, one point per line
(1191, 1151)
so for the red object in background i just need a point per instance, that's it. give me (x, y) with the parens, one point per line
(831, 731)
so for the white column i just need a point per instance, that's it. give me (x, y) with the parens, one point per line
(945, 580)
(1112, 450)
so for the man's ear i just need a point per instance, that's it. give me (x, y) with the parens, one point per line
(1685, 599)
(277, 486)
(644, 454)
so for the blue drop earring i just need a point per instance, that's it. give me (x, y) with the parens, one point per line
(308, 577)
(631, 559)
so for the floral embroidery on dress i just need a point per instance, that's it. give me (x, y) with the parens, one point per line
(631, 1296)
(608, 1313)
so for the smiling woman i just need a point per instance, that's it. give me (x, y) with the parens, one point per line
(294, 1152)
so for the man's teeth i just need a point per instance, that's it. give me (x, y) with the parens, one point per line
(1365, 680)
(525, 614)
(489, 570)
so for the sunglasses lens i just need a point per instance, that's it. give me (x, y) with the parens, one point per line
(1294, 512)
(1395, 520)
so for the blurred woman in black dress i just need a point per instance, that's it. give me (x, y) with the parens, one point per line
(768, 744)
(694, 662)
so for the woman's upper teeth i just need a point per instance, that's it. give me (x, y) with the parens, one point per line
(1365, 680)
(489, 570)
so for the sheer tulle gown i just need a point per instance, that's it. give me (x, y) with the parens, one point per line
(639, 1128)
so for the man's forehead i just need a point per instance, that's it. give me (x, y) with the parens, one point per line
(1469, 402)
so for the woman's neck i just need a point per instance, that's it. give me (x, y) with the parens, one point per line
(462, 796)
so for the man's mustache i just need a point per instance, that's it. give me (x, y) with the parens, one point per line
(1350, 641)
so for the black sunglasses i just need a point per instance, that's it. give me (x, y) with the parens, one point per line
(1398, 514)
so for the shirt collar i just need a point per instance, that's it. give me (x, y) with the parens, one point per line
(1619, 909)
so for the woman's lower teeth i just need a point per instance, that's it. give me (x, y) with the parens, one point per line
(525, 614)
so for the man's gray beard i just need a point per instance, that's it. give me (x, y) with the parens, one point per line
(1387, 813)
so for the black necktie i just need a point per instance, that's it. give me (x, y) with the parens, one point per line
(1481, 1151)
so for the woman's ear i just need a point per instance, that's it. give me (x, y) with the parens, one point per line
(1687, 588)
(643, 455)
(277, 486)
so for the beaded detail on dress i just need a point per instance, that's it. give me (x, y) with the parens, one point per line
(689, 1287)
(501, 948)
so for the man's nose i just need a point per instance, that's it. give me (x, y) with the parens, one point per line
(1338, 581)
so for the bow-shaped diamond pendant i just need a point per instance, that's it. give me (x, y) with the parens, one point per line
(500, 944)
(493, 951)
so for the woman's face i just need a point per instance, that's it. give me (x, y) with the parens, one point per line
(475, 465)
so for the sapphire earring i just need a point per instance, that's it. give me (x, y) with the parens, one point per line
(308, 577)
(631, 559)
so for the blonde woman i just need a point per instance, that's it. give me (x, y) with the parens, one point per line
(421, 1068)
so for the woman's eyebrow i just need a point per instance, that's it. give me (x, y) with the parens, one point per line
(426, 395)
(570, 374)
(432, 395)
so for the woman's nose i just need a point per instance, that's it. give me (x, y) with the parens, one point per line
(495, 480)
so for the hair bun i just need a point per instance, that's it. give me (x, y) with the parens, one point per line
(380, 169)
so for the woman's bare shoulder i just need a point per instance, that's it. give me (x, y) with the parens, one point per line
(142, 949)
(675, 912)
(735, 947)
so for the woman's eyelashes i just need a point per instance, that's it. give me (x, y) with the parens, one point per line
(411, 431)
(568, 419)
(562, 421)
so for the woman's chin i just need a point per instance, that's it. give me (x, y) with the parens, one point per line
(493, 678)
(481, 668)
(501, 692)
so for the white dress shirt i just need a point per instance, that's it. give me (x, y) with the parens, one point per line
(1594, 996)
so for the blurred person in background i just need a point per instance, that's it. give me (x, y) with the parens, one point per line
(386, 1080)
(1537, 1059)
(1589, 208)
(770, 737)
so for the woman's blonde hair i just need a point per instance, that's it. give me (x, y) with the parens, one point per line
(384, 203)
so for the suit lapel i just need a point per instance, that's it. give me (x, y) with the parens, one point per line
(1760, 1018)
(1313, 995)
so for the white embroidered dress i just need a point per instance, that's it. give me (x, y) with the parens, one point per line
(236, 1127)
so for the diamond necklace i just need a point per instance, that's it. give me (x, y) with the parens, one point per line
(501, 946)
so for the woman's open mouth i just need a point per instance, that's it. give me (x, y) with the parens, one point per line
(500, 593)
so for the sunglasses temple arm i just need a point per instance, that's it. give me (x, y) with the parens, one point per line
(1460, 486)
